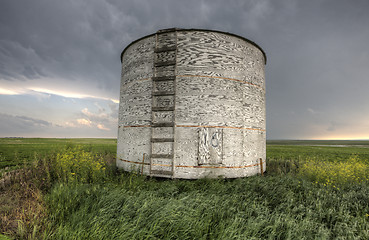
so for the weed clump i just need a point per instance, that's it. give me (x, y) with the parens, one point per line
(23, 211)
(77, 165)
(335, 173)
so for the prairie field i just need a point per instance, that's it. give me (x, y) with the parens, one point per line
(70, 189)
(16, 151)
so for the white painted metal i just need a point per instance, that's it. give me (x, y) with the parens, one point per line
(192, 101)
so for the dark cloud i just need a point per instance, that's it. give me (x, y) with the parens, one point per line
(69, 40)
(18, 125)
(317, 50)
(80, 40)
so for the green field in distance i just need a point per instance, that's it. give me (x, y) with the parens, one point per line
(17, 151)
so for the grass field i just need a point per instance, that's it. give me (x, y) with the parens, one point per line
(16, 151)
(312, 190)
(323, 150)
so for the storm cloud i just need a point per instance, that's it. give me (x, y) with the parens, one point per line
(316, 74)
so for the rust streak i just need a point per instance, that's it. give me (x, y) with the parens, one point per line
(232, 79)
(181, 166)
(143, 161)
(123, 160)
(137, 126)
(261, 167)
(253, 165)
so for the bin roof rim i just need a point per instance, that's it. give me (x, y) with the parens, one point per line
(193, 29)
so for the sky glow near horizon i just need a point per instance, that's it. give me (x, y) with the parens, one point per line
(60, 68)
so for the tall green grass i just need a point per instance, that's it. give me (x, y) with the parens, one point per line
(80, 195)
(250, 208)
(22, 207)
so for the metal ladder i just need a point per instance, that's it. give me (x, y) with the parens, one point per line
(163, 104)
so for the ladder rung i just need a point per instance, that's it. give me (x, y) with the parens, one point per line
(164, 78)
(155, 140)
(163, 124)
(161, 155)
(162, 108)
(166, 63)
(165, 49)
(162, 93)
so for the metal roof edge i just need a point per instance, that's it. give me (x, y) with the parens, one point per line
(193, 29)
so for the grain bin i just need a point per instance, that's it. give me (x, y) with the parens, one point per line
(192, 105)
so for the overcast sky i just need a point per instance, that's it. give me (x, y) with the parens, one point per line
(60, 67)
